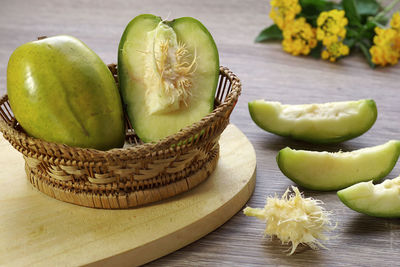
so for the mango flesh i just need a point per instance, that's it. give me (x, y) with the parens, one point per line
(325, 171)
(168, 73)
(381, 200)
(324, 123)
(61, 91)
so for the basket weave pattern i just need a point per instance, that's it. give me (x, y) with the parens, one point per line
(137, 174)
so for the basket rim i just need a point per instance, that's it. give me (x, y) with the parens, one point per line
(140, 150)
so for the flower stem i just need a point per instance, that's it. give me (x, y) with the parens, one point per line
(386, 10)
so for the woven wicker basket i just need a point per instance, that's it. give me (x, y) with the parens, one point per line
(131, 176)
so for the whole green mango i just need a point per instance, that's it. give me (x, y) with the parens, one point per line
(61, 91)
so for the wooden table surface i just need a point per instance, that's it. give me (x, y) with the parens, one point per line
(266, 72)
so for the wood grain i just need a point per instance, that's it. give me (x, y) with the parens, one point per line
(266, 72)
(39, 230)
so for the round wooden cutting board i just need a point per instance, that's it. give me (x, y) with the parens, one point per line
(38, 230)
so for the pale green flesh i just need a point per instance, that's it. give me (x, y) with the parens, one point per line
(332, 171)
(382, 200)
(157, 125)
(316, 123)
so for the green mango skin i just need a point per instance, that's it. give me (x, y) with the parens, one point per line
(354, 119)
(324, 171)
(381, 200)
(61, 91)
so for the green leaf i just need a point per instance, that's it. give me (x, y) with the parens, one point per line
(352, 33)
(352, 14)
(367, 7)
(311, 19)
(316, 51)
(370, 25)
(269, 34)
(368, 43)
(367, 34)
(365, 50)
(338, 6)
(350, 42)
(368, 30)
(310, 9)
(314, 5)
(383, 20)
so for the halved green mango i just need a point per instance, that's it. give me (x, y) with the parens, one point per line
(381, 200)
(168, 73)
(332, 171)
(315, 123)
(61, 91)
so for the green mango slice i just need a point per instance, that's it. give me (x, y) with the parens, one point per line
(381, 200)
(326, 171)
(168, 73)
(61, 91)
(315, 123)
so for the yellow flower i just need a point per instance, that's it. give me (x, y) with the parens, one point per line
(298, 37)
(331, 26)
(386, 48)
(332, 31)
(335, 50)
(395, 22)
(283, 12)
